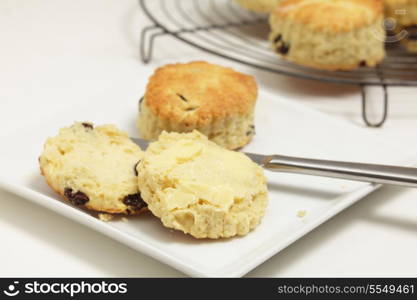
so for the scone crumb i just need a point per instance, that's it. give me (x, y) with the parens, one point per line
(301, 213)
(105, 217)
(124, 219)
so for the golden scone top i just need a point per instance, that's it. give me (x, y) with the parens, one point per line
(198, 92)
(331, 15)
(200, 188)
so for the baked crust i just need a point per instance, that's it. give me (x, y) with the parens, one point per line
(217, 101)
(331, 16)
(261, 6)
(210, 91)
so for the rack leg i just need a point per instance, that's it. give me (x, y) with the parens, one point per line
(147, 39)
(365, 111)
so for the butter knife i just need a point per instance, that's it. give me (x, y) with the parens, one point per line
(373, 173)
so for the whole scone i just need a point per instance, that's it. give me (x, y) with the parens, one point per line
(217, 101)
(262, 6)
(200, 188)
(94, 168)
(329, 34)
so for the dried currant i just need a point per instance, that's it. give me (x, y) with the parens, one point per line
(135, 168)
(135, 201)
(182, 98)
(283, 49)
(78, 198)
(362, 63)
(87, 125)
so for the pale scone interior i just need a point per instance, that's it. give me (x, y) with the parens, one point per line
(94, 168)
(200, 188)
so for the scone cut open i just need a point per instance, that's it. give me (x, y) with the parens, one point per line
(195, 186)
(94, 167)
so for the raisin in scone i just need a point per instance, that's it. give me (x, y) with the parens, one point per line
(329, 34)
(262, 6)
(94, 167)
(195, 186)
(217, 101)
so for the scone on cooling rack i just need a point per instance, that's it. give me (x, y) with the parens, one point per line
(94, 168)
(404, 14)
(217, 101)
(262, 6)
(200, 188)
(329, 34)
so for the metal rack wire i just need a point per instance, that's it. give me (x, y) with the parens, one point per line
(222, 28)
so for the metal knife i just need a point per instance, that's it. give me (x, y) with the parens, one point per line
(380, 174)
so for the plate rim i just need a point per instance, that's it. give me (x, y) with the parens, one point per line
(127, 239)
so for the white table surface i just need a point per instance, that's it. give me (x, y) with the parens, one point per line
(51, 49)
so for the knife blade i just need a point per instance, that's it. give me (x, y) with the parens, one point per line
(380, 174)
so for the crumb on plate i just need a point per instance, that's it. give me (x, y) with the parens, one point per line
(301, 213)
(105, 217)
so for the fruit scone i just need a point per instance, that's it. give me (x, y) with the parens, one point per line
(329, 34)
(195, 186)
(262, 6)
(404, 13)
(217, 101)
(94, 167)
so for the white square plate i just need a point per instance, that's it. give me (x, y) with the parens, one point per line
(282, 127)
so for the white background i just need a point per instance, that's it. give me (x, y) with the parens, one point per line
(48, 47)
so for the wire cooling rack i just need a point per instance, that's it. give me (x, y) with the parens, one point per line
(222, 28)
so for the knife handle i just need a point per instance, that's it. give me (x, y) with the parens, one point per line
(381, 174)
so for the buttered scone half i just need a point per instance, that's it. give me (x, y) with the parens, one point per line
(217, 101)
(329, 34)
(94, 167)
(262, 6)
(195, 186)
